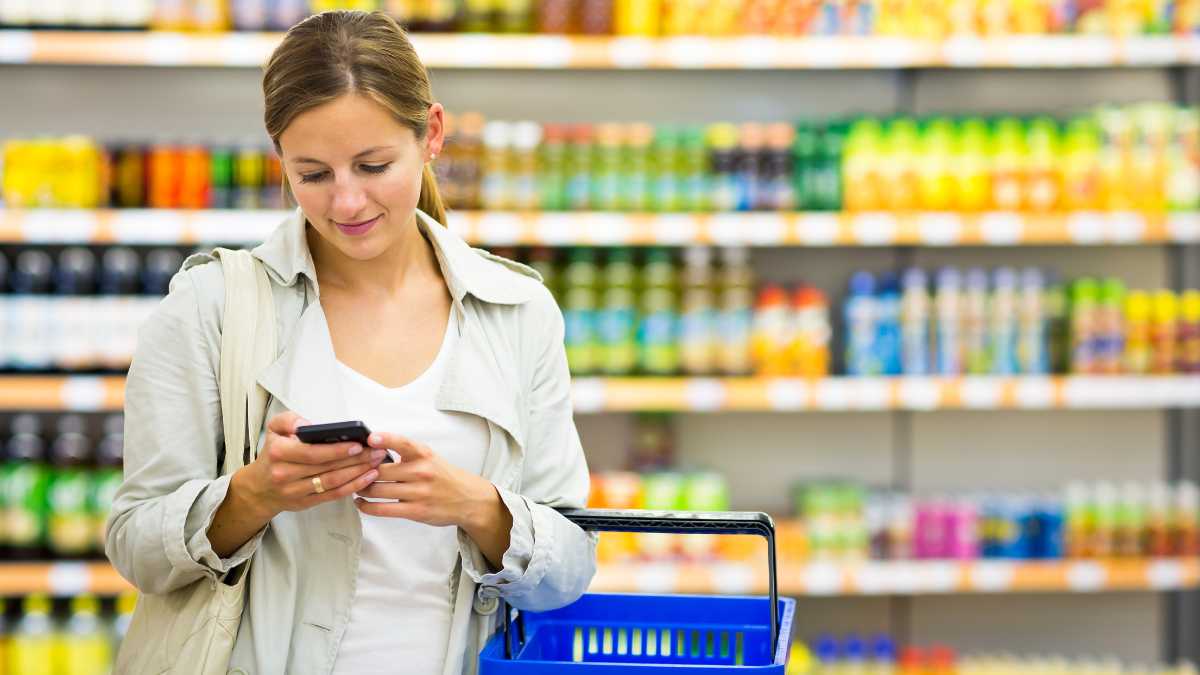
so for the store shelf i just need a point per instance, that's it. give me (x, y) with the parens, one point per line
(159, 226)
(902, 393)
(593, 395)
(903, 578)
(556, 52)
(814, 579)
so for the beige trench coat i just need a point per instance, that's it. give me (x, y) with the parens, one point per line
(510, 369)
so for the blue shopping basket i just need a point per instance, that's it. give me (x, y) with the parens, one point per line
(605, 634)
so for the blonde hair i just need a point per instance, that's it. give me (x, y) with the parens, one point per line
(333, 53)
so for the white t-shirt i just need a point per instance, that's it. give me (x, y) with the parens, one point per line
(400, 619)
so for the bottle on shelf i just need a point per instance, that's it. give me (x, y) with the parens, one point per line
(617, 320)
(35, 642)
(29, 334)
(86, 645)
(580, 304)
(659, 329)
(735, 311)
(698, 321)
(70, 529)
(25, 480)
(73, 311)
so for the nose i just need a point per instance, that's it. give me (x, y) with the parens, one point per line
(349, 200)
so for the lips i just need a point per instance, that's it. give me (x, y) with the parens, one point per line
(357, 229)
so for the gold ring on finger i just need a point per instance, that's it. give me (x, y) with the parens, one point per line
(317, 485)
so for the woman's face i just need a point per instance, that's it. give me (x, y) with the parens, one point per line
(356, 172)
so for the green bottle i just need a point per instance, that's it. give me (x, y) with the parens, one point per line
(24, 479)
(826, 170)
(658, 333)
(606, 168)
(579, 311)
(70, 530)
(805, 156)
(552, 169)
(635, 169)
(665, 171)
(617, 321)
(107, 477)
(579, 169)
(693, 170)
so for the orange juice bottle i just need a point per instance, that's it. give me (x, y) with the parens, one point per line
(811, 335)
(1081, 166)
(900, 161)
(638, 17)
(771, 335)
(861, 165)
(1009, 158)
(1043, 184)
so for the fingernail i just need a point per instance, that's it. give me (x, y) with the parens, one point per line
(355, 449)
(378, 455)
(375, 438)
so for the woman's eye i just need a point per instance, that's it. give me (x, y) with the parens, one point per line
(312, 177)
(375, 168)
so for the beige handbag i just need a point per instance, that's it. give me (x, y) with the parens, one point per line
(192, 630)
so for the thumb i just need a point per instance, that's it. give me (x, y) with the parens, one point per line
(285, 423)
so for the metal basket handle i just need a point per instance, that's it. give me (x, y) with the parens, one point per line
(683, 522)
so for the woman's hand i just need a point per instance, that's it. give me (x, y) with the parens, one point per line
(427, 489)
(282, 477)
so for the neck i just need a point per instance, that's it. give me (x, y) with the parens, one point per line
(410, 259)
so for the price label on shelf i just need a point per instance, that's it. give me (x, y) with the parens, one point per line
(756, 52)
(817, 229)
(59, 225)
(705, 394)
(245, 49)
(1001, 228)
(588, 395)
(166, 49)
(478, 51)
(822, 578)
(964, 52)
(940, 229)
(991, 576)
(765, 229)
(547, 51)
(68, 579)
(148, 226)
(674, 229)
(787, 394)
(1086, 577)
(1126, 228)
(656, 578)
(1184, 228)
(732, 578)
(1150, 51)
(920, 393)
(83, 393)
(874, 229)
(607, 229)
(500, 229)
(937, 577)
(729, 229)
(236, 227)
(872, 393)
(556, 229)
(16, 46)
(689, 52)
(981, 392)
(1165, 574)
(1086, 227)
(873, 578)
(631, 52)
(1035, 392)
(834, 394)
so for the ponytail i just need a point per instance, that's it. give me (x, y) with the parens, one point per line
(430, 200)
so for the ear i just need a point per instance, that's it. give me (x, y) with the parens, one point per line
(435, 131)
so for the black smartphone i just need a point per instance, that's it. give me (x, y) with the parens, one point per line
(337, 432)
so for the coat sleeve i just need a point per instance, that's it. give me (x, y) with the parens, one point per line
(550, 561)
(157, 534)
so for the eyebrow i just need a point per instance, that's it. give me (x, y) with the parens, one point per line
(310, 160)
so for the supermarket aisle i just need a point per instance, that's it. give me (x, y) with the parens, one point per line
(923, 286)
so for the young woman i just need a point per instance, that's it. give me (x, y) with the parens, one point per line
(453, 357)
